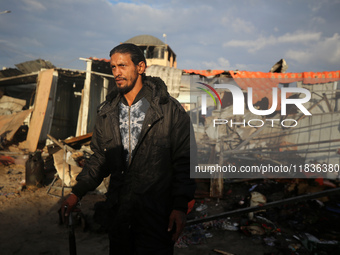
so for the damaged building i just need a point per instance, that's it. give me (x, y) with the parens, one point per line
(51, 110)
(58, 103)
(293, 138)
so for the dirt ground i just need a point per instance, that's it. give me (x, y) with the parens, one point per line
(30, 225)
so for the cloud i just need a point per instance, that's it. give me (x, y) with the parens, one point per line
(32, 42)
(221, 64)
(12, 51)
(315, 6)
(324, 52)
(223, 35)
(240, 25)
(318, 20)
(33, 5)
(263, 42)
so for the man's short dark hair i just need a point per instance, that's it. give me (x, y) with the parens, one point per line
(135, 52)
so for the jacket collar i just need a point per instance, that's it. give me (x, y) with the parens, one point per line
(160, 94)
(156, 84)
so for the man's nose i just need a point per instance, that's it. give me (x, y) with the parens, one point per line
(116, 72)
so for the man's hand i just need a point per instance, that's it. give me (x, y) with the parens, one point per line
(180, 219)
(68, 206)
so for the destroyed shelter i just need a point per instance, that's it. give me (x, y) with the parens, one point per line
(59, 104)
(69, 110)
(55, 108)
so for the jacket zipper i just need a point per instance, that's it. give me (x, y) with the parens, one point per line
(130, 152)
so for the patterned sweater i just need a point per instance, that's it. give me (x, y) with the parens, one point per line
(131, 120)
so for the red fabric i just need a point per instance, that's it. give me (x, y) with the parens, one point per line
(6, 160)
(191, 206)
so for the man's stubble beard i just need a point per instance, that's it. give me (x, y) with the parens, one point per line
(127, 89)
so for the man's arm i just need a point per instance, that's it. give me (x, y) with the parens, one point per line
(179, 218)
(93, 173)
(183, 146)
(95, 168)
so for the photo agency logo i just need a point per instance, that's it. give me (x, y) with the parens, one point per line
(278, 103)
(204, 97)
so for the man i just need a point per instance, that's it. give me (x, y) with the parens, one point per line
(142, 139)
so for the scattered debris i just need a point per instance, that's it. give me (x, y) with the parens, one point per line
(297, 214)
(222, 252)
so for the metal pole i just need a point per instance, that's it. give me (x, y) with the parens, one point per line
(3, 12)
(265, 206)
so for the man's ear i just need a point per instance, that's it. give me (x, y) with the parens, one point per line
(141, 67)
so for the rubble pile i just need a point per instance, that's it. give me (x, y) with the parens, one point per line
(310, 226)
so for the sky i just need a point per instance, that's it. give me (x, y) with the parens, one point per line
(247, 35)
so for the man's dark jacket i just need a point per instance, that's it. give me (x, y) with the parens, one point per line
(158, 177)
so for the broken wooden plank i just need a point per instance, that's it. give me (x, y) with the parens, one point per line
(60, 144)
(216, 185)
(49, 113)
(217, 180)
(78, 138)
(40, 104)
(222, 252)
(86, 99)
(80, 115)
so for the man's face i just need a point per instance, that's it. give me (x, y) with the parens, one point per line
(124, 71)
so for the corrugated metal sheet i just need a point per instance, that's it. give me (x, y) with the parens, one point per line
(19, 79)
(170, 75)
(9, 72)
(26, 73)
(318, 132)
(34, 66)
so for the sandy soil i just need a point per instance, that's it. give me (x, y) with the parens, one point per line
(30, 225)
